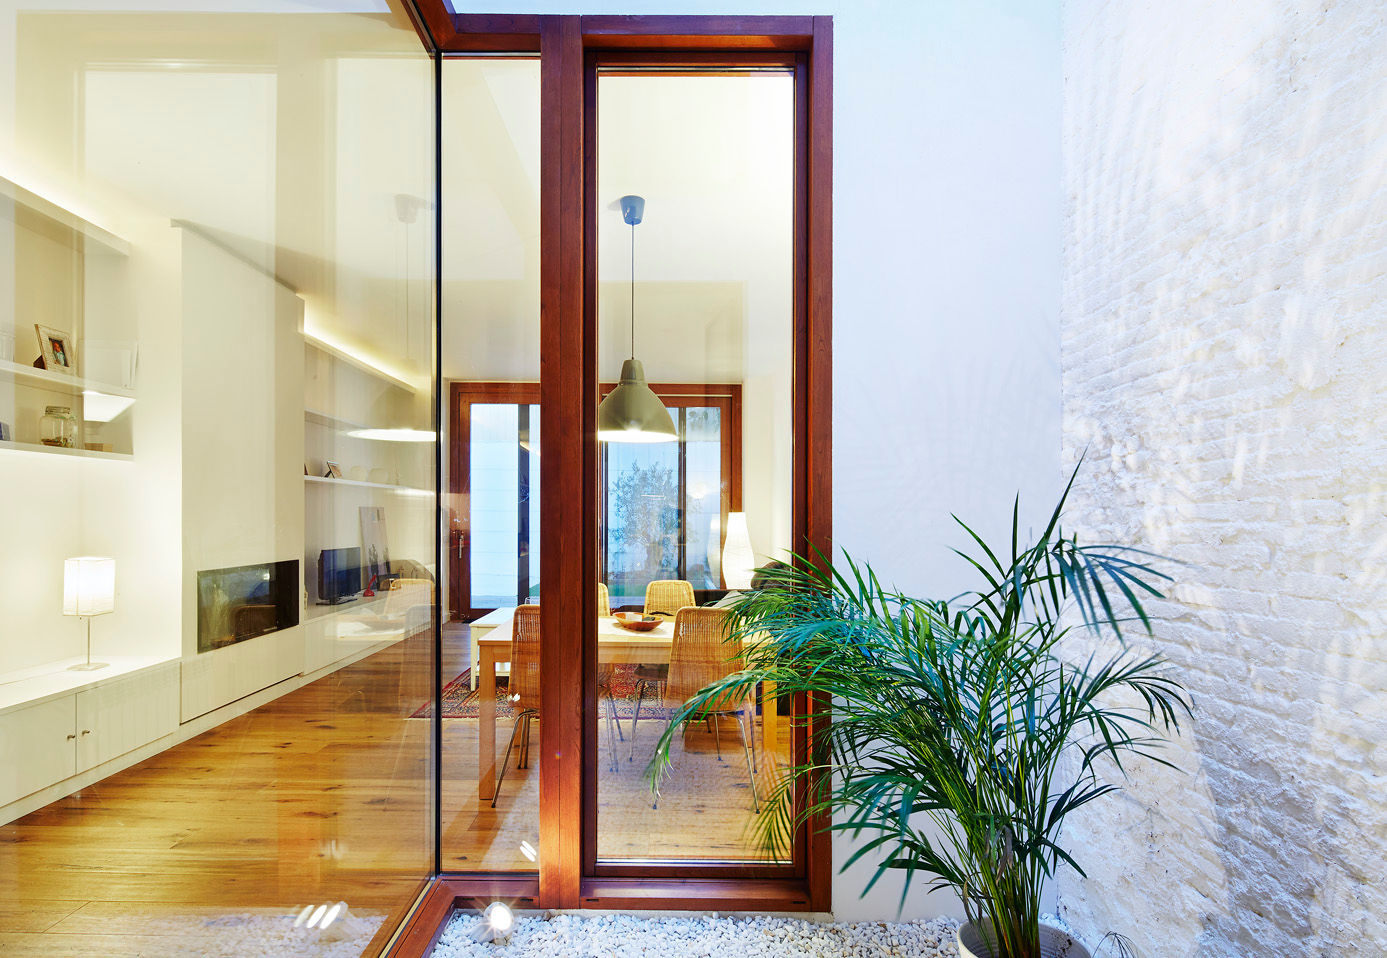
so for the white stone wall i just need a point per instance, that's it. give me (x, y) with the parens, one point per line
(1224, 356)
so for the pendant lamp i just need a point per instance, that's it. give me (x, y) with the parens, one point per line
(632, 412)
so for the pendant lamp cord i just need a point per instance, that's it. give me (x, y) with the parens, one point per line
(633, 290)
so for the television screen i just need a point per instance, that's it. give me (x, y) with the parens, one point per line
(339, 575)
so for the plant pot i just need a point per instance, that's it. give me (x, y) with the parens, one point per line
(1054, 943)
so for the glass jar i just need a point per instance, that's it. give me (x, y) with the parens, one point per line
(58, 427)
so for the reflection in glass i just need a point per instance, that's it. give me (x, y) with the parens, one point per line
(206, 206)
(713, 158)
(493, 728)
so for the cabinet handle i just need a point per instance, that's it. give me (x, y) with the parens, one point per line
(71, 737)
(86, 731)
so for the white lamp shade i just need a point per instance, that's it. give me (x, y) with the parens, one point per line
(738, 560)
(89, 585)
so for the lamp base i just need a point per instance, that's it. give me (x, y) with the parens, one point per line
(88, 666)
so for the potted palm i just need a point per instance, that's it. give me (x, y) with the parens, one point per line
(960, 739)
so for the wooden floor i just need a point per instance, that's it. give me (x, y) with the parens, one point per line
(321, 796)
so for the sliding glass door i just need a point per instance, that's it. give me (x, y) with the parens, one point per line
(494, 729)
(634, 397)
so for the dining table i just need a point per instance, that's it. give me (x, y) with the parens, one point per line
(616, 645)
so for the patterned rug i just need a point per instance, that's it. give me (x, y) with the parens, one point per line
(460, 702)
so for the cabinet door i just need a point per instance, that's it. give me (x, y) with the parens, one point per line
(120, 716)
(37, 747)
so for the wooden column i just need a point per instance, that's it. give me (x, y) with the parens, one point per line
(568, 391)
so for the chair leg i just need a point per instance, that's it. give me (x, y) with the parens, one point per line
(640, 694)
(523, 760)
(611, 737)
(506, 761)
(750, 769)
(717, 739)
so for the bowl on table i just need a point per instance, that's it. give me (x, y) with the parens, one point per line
(637, 622)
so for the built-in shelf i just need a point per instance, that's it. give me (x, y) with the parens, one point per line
(332, 422)
(105, 240)
(59, 382)
(34, 447)
(43, 682)
(359, 363)
(329, 481)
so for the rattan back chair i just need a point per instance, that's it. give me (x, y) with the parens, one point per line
(668, 596)
(524, 687)
(700, 654)
(524, 659)
(604, 602)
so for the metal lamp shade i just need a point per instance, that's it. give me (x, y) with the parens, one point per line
(632, 412)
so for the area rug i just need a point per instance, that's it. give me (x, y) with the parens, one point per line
(460, 702)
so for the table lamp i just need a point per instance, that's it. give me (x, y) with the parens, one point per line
(738, 559)
(89, 588)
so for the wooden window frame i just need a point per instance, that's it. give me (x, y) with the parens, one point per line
(726, 397)
(569, 392)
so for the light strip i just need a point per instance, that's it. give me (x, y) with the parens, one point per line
(330, 343)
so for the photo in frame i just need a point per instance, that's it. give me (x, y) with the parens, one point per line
(334, 470)
(375, 551)
(57, 350)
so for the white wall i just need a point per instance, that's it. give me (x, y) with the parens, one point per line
(946, 283)
(1224, 298)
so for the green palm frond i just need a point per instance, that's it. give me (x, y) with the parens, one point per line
(959, 740)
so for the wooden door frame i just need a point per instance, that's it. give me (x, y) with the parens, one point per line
(569, 392)
(461, 393)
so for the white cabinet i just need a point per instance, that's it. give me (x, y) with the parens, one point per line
(75, 729)
(37, 747)
(120, 716)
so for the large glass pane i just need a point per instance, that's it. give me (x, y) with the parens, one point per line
(708, 315)
(492, 726)
(215, 725)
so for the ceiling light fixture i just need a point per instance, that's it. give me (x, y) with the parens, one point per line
(632, 412)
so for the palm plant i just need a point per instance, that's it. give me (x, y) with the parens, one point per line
(959, 739)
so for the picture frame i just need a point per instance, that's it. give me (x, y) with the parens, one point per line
(57, 350)
(334, 470)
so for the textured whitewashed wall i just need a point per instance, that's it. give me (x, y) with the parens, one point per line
(1224, 339)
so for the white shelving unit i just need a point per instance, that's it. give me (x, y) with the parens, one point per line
(360, 483)
(105, 240)
(40, 449)
(58, 382)
(67, 245)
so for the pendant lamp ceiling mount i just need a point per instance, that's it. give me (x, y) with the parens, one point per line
(632, 412)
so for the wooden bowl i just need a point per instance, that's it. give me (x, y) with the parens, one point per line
(637, 622)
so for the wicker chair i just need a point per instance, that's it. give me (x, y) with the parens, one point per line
(668, 596)
(662, 597)
(524, 686)
(604, 604)
(524, 691)
(700, 655)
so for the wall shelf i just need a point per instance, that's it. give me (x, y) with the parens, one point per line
(329, 481)
(58, 382)
(332, 422)
(359, 363)
(40, 449)
(105, 240)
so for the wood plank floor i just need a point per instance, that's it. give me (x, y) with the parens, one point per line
(321, 796)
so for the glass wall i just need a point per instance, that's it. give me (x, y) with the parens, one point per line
(492, 724)
(696, 285)
(216, 390)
